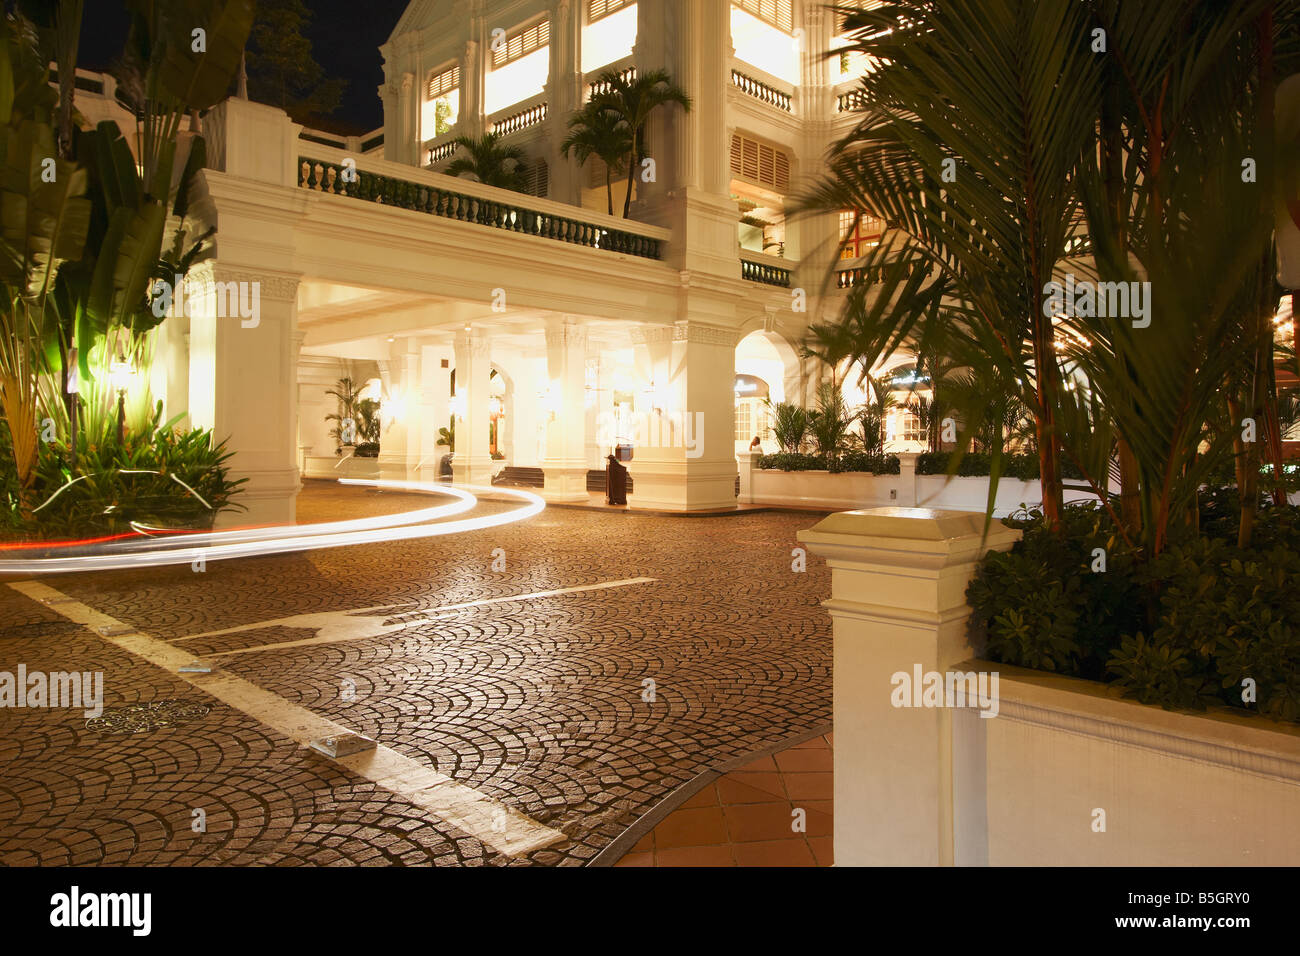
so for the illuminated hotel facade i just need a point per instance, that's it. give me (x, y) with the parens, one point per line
(537, 327)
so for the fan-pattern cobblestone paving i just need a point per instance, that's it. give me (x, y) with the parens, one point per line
(537, 704)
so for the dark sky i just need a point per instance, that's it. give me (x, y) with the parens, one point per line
(345, 36)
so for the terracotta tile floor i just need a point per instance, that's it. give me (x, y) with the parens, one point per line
(747, 817)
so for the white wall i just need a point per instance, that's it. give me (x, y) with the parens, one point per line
(1176, 789)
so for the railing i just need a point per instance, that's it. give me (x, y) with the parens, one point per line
(761, 91)
(495, 208)
(848, 278)
(524, 118)
(440, 151)
(627, 74)
(765, 273)
(850, 101)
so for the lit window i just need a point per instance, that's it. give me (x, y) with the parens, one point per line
(858, 233)
(603, 8)
(441, 103)
(609, 35)
(744, 421)
(765, 43)
(911, 430)
(779, 13)
(520, 68)
(521, 43)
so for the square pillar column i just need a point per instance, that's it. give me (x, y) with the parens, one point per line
(472, 463)
(898, 603)
(685, 455)
(433, 410)
(243, 382)
(399, 442)
(565, 465)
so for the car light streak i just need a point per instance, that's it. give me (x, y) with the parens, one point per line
(284, 539)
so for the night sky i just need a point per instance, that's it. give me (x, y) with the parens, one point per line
(345, 36)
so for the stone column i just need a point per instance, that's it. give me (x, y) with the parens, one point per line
(685, 456)
(433, 410)
(399, 442)
(898, 586)
(242, 381)
(907, 495)
(563, 96)
(472, 463)
(565, 466)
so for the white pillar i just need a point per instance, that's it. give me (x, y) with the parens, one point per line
(399, 442)
(243, 382)
(565, 466)
(685, 456)
(472, 463)
(433, 409)
(898, 602)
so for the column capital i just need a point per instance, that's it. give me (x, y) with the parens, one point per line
(279, 286)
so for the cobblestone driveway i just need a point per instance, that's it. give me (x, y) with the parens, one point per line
(535, 703)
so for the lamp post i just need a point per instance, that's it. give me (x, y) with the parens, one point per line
(120, 373)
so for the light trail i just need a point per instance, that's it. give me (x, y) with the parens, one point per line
(255, 542)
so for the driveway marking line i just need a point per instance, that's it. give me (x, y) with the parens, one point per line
(333, 627)
(501, 827)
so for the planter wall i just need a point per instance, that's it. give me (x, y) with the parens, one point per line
(1177, 789)
(332, 467)
(847, 490)
(932, 782)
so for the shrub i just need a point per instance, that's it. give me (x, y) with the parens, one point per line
(159, 477)
(849, 461)
(1182, 630)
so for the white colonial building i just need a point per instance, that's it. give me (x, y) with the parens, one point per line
(547, 330)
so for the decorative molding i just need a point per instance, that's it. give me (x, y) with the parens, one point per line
(651, 334)
(277, 286)
(704, 334)
(1188, 747)
(567, 333)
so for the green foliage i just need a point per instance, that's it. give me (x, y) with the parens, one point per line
(789, 425)
(632, 100)
(597, 130)
(1040, 604)
(1159, 671)
(369, 425)
(1182, 630)
(829, 423)
(1023, 467)
(347, 394)
(849, 461)
(159, 477)
(281, 68)
(488, 161)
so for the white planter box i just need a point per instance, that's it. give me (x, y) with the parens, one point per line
(342, 467)
(821, 489)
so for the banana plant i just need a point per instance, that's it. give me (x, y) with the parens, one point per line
(44, 219)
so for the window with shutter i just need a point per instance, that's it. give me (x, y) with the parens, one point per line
(443, 82)
(521, 43)
(603, 8)
(779, 13)
(759, 163)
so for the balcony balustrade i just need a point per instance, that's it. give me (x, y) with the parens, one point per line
(761, 91)
(466, 201)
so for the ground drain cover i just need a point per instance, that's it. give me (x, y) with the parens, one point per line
(145, 718)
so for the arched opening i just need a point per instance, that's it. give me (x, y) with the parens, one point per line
(767, 370)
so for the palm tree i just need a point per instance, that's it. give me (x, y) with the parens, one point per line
(789, 424)
(598, 131)
(633, 99)
(489, 162)
(969, 162)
